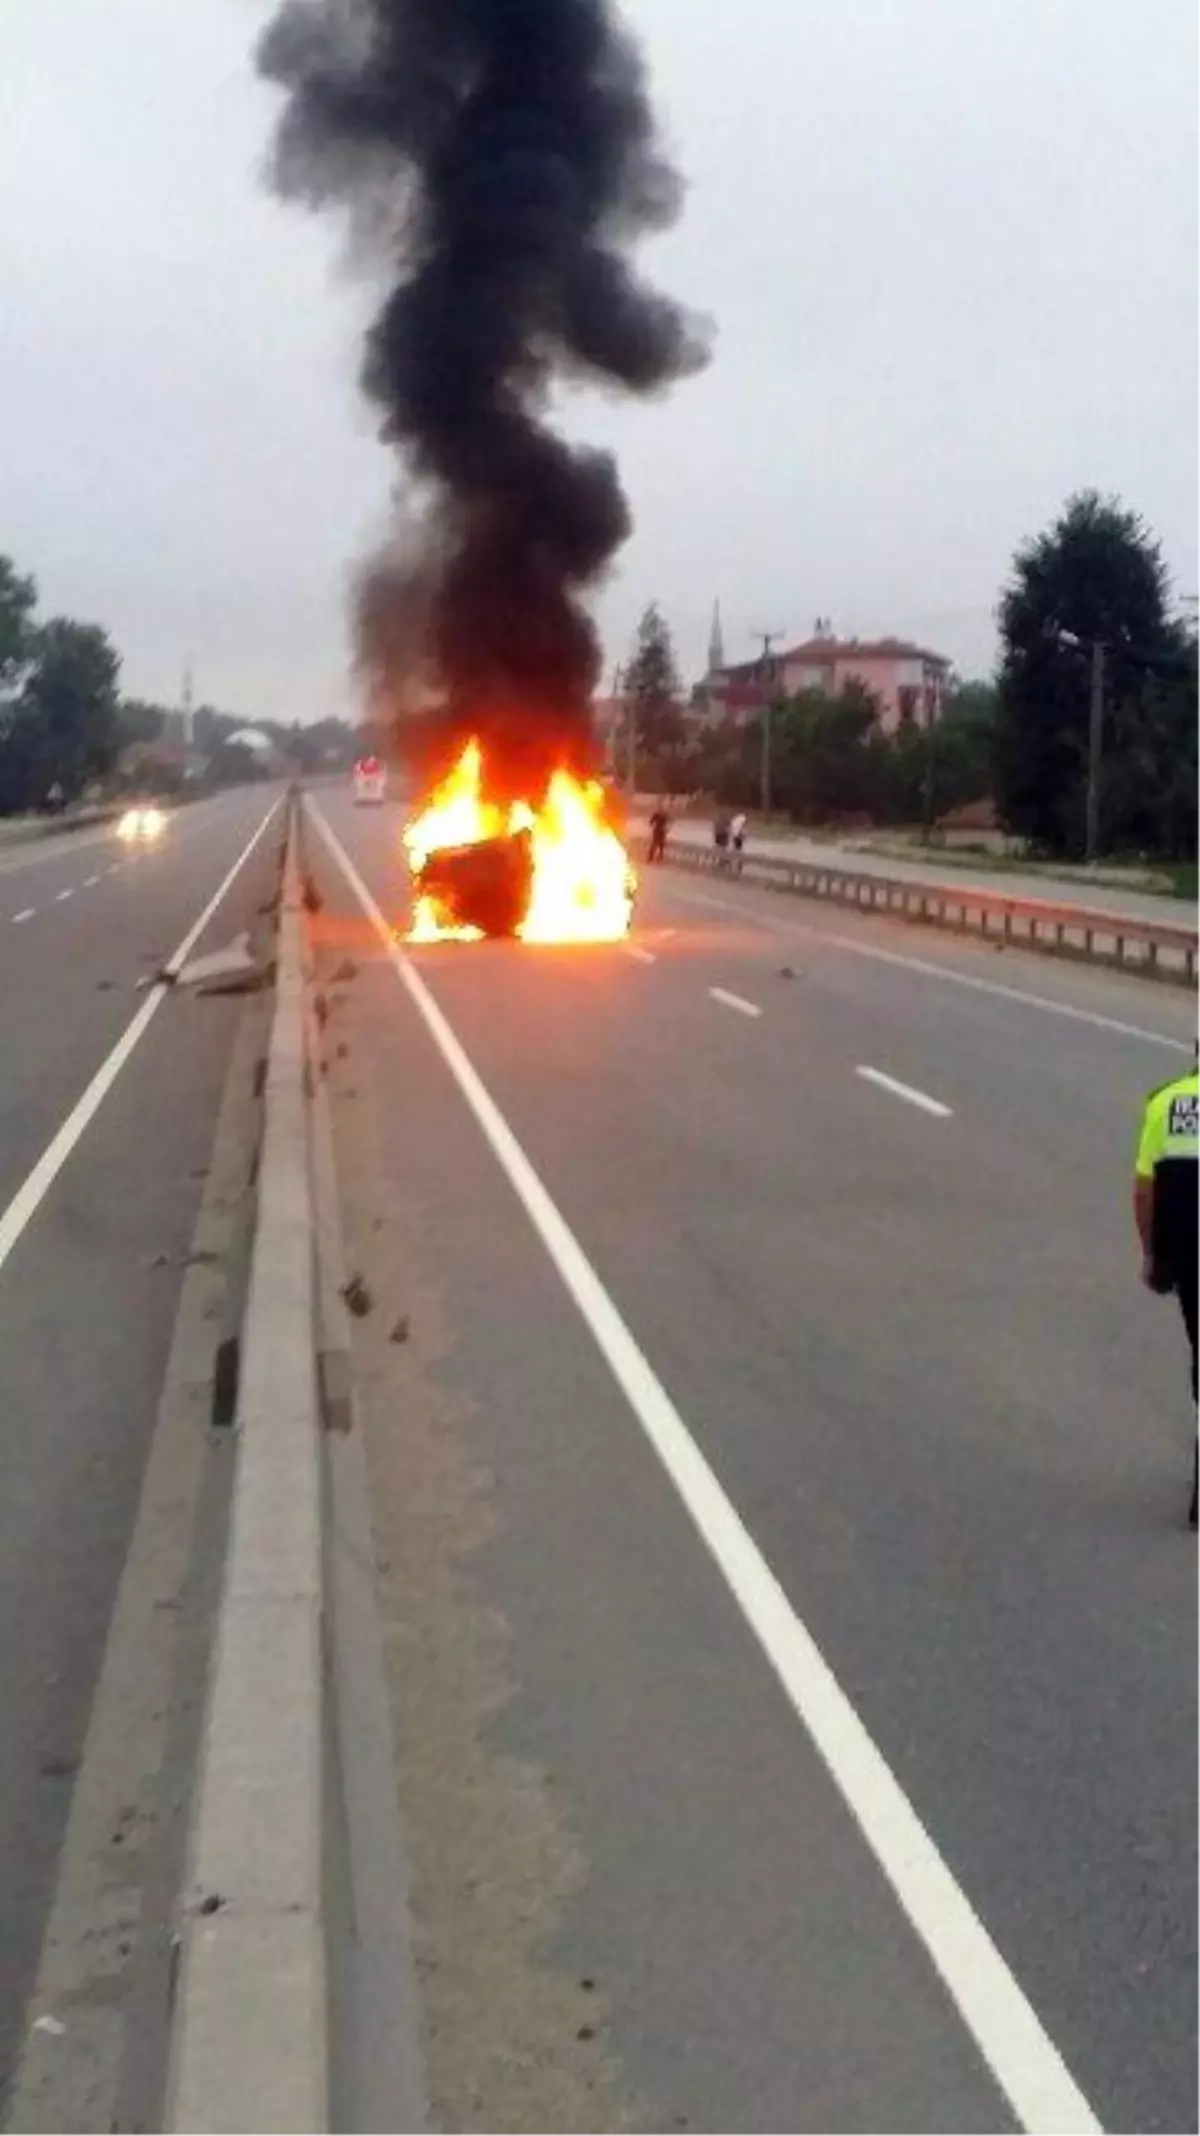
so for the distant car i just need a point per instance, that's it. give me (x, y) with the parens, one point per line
(143, 823)
(370, 783)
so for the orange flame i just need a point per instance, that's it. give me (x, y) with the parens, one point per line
(583, 884)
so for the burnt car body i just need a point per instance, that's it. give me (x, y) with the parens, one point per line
(486, 886)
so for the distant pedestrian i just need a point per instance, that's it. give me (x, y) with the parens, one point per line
(737, 838)
(1165, 1203)
(660, 824)
(721, 837)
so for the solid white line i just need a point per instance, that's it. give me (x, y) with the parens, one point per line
(905, 1091)
(939, 971)
(733, 1001)
(26, 915)
(63, 895)
(640, 956)
(30, 1195)
(1020, 2054)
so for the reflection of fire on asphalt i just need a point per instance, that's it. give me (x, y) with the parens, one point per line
(554, 873)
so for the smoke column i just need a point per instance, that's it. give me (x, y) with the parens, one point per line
(498, 159)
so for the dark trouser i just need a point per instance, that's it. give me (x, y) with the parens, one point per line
(1186, 1294)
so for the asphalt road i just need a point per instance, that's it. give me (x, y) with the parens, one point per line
(91, 1265)
(860, 1199)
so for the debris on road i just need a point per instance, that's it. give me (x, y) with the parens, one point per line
(247, 982)
(236, 962)
(357, 1297)
(228, 963)
(64, 1768)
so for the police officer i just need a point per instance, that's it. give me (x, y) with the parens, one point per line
(1166, 1204)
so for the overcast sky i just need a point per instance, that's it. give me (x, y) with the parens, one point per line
(950, 247)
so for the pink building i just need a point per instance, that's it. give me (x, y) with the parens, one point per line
(908, 682)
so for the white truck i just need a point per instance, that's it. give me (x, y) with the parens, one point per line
(370, 782)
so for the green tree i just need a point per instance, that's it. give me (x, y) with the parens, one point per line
(1149, 767)
(18, 599)
(972, 704)
(951, 763)
(823, 759)
(1095, 576)
(652, 686)
(141, 721)
(233, 764)
(725, 762)
(210, 728)
(68, 719)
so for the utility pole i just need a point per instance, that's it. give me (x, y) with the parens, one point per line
(1095, 742)
(933, 709)
(628, 721)
(1095, 749)
(185, 703)
(766, 670)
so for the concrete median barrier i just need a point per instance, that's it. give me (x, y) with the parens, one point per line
(294, 2006)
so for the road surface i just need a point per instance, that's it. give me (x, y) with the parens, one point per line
(92, 1264)
(835, 1218)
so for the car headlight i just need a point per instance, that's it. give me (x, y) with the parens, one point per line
(129, 824)
(153, 822)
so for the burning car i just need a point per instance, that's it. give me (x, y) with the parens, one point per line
(554, 872)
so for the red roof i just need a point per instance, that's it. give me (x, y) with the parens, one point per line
(824, 652)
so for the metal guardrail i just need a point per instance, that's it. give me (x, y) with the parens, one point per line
(1148, 948)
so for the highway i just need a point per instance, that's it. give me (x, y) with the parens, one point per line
(109, 1098)
(779, 1483)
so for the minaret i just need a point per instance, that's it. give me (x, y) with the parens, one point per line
(716, 644)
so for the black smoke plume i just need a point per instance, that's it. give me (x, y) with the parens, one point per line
(499, 158)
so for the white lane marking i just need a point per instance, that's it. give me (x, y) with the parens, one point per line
(640, 956)
(1016, 2048)
(32, 1192)
(63, 895)
(27, 914)
(905, 1091)
(941, 971)
(733, 1001)
(90, 882)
